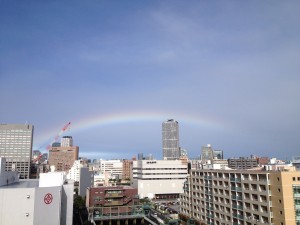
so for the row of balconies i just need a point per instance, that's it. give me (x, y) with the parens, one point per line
(246, 206)
(208, 186)
(247, 197)
(237, 218)
(232, 179)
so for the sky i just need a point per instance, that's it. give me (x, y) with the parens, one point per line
(227, 71)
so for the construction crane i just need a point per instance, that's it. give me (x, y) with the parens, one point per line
(56, 137)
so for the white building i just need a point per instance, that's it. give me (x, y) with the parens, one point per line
(113, 167)
(80, 173)
(160, 179)
(74, 172)
(48, 201)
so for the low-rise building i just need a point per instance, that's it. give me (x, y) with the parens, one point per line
(242, 163)
(105, 203)
(159, 179)
(47, 201)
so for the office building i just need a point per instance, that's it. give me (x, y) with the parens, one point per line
(263, 161)
(296, 162)
(207, 153)
(46, 201)
(242, 163)
(113, 167)
(226, 197)
(140, 156)
(127, 168)
(170, 140)
(66, 141)
(63, 157)
(183, 152)
(218, 154)
(16, 147)
(159, 179)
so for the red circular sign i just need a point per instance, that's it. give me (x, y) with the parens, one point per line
(48, 198)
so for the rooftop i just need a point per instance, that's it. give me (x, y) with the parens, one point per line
(29, 183)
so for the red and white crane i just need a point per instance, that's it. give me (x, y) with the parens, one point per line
(56, 137)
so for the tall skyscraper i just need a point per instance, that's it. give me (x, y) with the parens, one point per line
(170, 140)
(16, 147)
(207, 153)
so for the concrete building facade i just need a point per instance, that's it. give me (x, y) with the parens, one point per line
(63, 157)
(242, 163)
(207, 153)
(159, 179)
(226, 197)
(16, 147)
(48, 201)
(170, 140)
(127, 168)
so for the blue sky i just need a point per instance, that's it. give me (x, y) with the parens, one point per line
(227, 71)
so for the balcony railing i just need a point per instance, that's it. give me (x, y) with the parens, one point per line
(114, 195)
(112, 203)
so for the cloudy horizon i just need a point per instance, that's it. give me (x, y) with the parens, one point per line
(228, 72)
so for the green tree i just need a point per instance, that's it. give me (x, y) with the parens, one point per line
(78, 202)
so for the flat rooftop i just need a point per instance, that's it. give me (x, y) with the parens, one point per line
(28, 183)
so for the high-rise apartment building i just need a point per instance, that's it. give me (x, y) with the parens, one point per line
(170, 140)
(226, 197)
(63, 157)
(16, 147)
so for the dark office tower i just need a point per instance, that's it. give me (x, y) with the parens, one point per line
(16, 147)
(170, 140)
(140, 156)
(218, 154)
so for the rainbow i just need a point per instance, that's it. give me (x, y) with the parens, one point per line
(137, 117)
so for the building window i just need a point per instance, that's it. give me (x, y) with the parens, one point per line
(294, 178)
(279, 190)
(278, 179)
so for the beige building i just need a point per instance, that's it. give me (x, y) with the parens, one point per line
(227, 197)
(63, 157)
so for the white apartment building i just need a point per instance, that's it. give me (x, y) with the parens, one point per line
(112, 167)
(227, 197)
(47, 201)
(159, 179)
(74, 172)
(80, 173)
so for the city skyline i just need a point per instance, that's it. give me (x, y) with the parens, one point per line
(228, 72)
